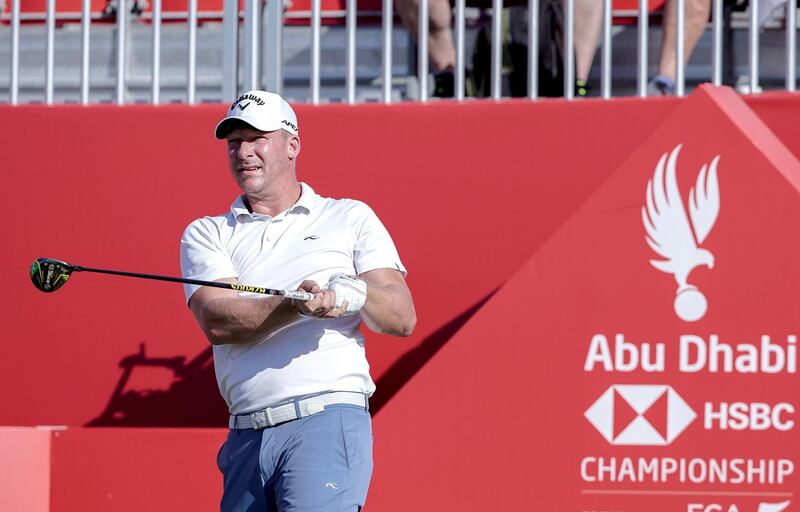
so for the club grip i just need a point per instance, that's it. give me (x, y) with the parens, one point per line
(292, 294)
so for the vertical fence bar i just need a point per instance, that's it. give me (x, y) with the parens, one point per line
(155, 81)
(716, 42)
(753, 46)
(86, 23)
(569, 50)
(191, 82)
(791, 46)
(641, 65)
(230, 49)
(497, 49)
(387, 19)
(249, 45)
(122, 32)
(252, 16)
(316, 24)
(351, 51)
(680, 31)
(273, 47)
(422, 49)
(14, 86)
(605, 75)
(50, 23)
(533, 49)
(461, 25)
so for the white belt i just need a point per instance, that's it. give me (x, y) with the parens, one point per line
(300, 408)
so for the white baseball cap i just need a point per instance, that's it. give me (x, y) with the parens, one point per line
(265, 111)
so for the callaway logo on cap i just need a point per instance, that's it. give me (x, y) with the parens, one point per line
(262, 110)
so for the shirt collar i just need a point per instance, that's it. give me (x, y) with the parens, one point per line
(308, 199)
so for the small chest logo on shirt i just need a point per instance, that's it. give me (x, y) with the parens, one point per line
(332, 485)
(312, 237)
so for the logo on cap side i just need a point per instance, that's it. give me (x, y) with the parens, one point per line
(289, 124)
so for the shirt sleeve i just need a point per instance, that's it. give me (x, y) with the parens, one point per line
(202, 255)
(373, 247)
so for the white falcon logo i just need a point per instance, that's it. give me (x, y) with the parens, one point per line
(675, 236)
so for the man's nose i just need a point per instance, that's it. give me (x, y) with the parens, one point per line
(246, 149)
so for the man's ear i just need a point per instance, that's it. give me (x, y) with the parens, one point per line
(294, 146)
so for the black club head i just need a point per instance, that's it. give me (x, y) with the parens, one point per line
(48, 275)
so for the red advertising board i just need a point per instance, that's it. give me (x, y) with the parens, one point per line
(550, 369)
(644, 358)
(116, 186)
(690, 357)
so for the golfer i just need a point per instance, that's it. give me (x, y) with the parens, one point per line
(294, 373)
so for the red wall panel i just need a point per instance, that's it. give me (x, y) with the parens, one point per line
(469, 191)
(109, 469)
(25, 469)
(495, 420)
(130, 470)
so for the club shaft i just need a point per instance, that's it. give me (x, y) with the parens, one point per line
(292, 294)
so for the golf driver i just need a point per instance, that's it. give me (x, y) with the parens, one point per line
(48, 275)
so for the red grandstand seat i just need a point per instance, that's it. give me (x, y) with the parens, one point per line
(633, 5)
(304, 6)
(71, 7)
(337, 5)
(181, 6)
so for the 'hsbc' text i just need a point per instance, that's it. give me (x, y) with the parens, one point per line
(749, 416)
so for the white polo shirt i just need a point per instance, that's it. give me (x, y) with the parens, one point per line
(313, 239)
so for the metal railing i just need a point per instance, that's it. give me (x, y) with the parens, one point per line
(258, 61)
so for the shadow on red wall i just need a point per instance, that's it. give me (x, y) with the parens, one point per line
(186, 402)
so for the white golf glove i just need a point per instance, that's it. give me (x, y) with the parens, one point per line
(350, 289)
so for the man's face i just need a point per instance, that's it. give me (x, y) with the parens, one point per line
(257, 158)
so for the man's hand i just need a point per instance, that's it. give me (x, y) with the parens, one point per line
(350, 290)
(323, 305)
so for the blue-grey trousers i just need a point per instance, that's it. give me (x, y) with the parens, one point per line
(320, 463)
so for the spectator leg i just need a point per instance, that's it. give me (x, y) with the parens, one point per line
(440, 34)
(696, 19)
(440, 38)
(588, 24)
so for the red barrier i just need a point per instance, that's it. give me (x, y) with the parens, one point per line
(25, 469)
(469, 191)
(121, 470)
(115, 187)
(591, 381)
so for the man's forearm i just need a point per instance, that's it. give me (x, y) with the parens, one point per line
(246, 319)
(389, 309)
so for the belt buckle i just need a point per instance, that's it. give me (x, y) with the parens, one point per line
(261, 419)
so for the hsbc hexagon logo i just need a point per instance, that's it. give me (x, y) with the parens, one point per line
(643, 415)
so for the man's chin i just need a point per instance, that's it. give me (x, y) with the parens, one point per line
(251, 186)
